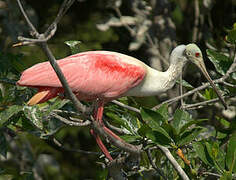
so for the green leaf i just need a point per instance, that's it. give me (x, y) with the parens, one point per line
(185, 84)
(163, 110)
(190, 123)
(130, 138)
(152, 118)
(127, 121)
(158, 136)
(212, 149)
(226, 176)
(8, 113)
(209, 94)
(189, 136)
(34, 115)
(73, 46)
(57, 104)
(223, 122)
(3, 145)
(220, 61)
(231, 37)
(231, 153)
(181, 118)
(202, 153)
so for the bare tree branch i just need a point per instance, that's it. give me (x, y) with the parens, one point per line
(78, 105)
(34, 32)
(69, 122)
(159, 171)
(126, 106)
(58, 144)
(175, 164)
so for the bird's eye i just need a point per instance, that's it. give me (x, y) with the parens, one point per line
(197, 54)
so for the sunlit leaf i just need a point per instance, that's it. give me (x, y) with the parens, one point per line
(185, 84)
(130, 138)
(34, 115)
(209, 94)
(73, 46)
(127, 122)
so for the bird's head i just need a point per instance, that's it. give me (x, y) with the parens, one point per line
(193, 53)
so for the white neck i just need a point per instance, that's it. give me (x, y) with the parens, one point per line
(156, 82)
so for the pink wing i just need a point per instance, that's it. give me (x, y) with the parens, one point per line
(93, 74)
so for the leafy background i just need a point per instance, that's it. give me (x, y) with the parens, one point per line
(206, 136)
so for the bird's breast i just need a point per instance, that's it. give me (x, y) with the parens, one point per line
(153, 84)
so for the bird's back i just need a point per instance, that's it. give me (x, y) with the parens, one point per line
(92, 74)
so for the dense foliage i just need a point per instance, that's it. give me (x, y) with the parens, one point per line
(36, 144)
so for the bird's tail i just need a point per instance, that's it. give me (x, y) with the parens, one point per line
(43, 95)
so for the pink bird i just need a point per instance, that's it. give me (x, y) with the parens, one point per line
(103, 76)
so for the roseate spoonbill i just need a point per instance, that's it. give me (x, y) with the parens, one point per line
(102, 76)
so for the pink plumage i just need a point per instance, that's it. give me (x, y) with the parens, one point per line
(93, 74)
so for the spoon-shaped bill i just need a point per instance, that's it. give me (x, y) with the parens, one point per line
(201, 66)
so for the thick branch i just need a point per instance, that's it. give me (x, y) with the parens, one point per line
(78, 105)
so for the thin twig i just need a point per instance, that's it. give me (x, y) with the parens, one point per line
(69, 122)
(131, 31)
(229, 84)
(57, 143)
(159, 171)
(78, 105)
(63, 9)
(126, 106)
(211, 174)
(34, 31)
(201, 104)
(172, 100)
(173, 161)
(7, 81)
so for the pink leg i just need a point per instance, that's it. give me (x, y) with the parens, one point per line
(101, 145)
(98, 117)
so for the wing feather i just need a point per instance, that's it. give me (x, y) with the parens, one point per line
(90, 75)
